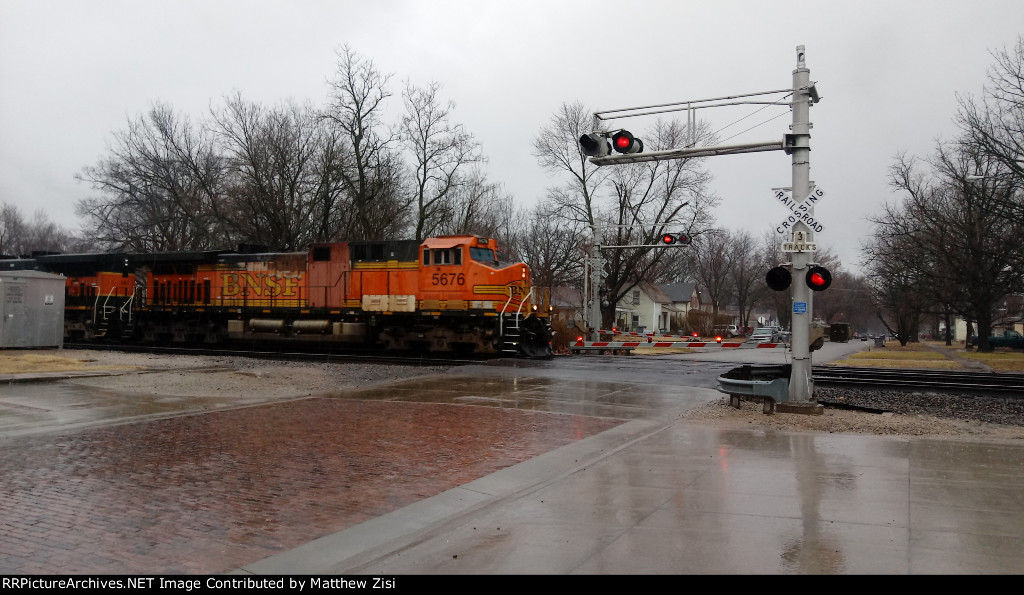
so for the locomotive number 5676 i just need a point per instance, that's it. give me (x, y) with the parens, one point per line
(448, 279)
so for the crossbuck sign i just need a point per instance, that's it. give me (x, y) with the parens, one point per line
(800, 211)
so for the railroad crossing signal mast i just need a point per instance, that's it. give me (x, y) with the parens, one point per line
(801, 244)
(804, 93)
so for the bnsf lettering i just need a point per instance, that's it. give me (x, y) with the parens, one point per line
(260, 284)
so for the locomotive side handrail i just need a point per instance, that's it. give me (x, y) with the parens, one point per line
(501, 315)
(523, 301)
(96, 305)
(504, 309)
(125, 307)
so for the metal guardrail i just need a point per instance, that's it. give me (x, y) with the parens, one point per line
(768, 384)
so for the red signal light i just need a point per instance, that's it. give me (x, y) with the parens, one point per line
(818, 278)
(718, 339)
(625, 142)
(682, 238)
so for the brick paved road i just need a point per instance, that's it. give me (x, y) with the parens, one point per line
(210, 493)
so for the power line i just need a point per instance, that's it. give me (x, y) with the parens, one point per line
(751, 114)
(754, 126)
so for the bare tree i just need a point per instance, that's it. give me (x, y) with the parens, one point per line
(557, 149)
(477, 206)
(552, 247)
(854, 295)
(956, 230)
(712, 262)
(746, 274)
(995, 123)
(284, 188)
(21, 237)
(328, 188)
(627, 205)
(372, 173)
(441, 152)
(12, 230)
(896, 280)
(160, 188)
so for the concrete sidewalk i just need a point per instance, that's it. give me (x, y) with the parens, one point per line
(682, 498)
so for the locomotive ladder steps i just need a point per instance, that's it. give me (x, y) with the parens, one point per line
(511, 337)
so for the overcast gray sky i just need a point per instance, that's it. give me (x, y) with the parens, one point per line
(74, 71)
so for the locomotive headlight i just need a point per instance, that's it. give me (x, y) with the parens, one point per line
(524, 272)
(535, 307)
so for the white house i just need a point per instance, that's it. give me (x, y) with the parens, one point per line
(644, 308)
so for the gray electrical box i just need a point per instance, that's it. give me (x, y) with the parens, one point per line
(31, 309)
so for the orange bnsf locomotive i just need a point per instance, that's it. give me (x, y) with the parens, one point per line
(443, 294)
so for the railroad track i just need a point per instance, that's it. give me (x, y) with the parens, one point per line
(367, 357)
(937, 380)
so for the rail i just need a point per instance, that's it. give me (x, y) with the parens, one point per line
(1007, 385)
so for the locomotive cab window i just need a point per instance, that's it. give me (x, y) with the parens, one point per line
(442, 256)
(485, 255)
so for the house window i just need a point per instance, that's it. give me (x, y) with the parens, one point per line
(636, 297)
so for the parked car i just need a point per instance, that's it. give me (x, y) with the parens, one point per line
(765, 334)
(1008, 338)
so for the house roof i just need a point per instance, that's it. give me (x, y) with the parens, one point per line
(678, 292)
(655, 293)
